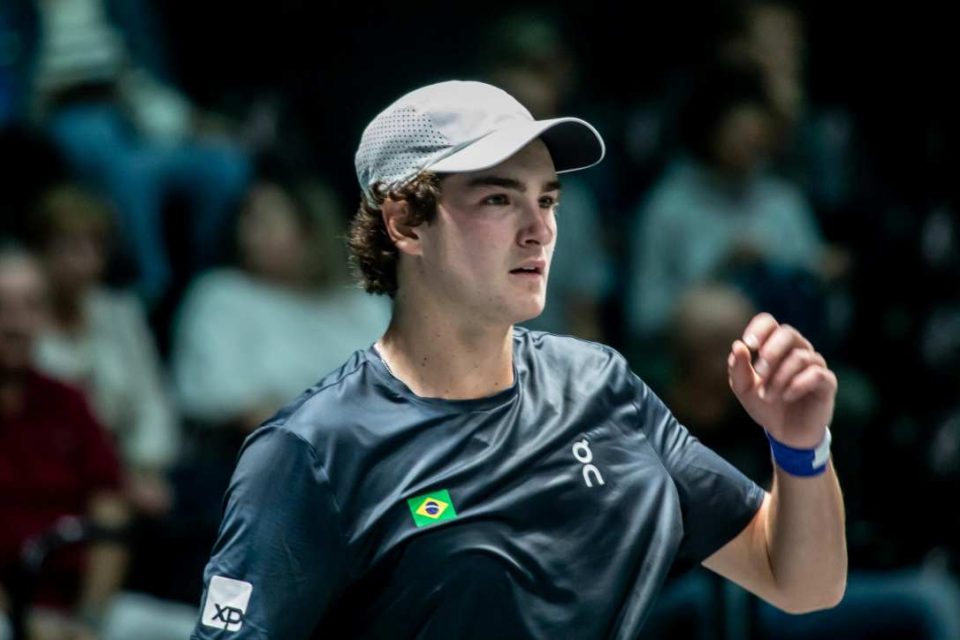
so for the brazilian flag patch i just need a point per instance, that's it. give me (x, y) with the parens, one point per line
(431, 508)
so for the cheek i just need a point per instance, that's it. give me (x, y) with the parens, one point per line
(469, 247)
(484, 252)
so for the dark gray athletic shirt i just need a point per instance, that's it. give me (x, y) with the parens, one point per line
(553, 509)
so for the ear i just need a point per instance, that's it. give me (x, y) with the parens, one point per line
(405, 236)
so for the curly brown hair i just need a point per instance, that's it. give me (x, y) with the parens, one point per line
(373, 256)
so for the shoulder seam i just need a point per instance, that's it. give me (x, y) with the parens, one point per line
(589, 343)
(283, 422)
(639, 414)
(280, 428)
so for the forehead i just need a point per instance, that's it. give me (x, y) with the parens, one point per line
(531, 165)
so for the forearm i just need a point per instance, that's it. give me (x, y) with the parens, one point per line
(106, 561)
(793, 554)
(805, 539)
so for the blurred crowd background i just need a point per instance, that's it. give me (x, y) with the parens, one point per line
(177, 179)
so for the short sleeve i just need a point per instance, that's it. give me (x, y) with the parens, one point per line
(716, 500)
(280, 557)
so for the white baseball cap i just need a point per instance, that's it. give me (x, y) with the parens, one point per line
(460, 126)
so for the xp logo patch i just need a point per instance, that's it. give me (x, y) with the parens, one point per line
(226, 603)
(431, 508)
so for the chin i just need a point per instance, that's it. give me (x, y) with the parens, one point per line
(528, 313)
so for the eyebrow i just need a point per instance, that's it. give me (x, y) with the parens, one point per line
(509, 183)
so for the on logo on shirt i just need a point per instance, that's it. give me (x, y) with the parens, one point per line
(581, 451)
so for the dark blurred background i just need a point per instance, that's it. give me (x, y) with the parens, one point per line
(178, 179)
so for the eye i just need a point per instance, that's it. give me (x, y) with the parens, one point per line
(496, 199)
(548, 202)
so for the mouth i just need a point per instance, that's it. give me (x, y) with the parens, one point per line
(533, 269)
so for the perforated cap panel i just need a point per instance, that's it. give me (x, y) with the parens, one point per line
(440, 125)
(396, 146)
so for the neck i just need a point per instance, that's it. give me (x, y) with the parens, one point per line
(436, 357)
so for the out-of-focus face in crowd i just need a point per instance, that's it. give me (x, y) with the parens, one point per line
(528, 56)
(272, 238)
(75, 229)
(742, 139)
(708, 318)
(75, 260)
(23, 309)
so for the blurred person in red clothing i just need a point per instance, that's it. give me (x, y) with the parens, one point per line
(55, 461)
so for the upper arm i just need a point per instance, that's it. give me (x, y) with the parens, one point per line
(280, 548)
(716, 500)
(744, 559)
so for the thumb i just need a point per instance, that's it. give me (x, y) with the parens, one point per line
(742, 376)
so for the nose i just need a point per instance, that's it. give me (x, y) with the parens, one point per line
(538, 227)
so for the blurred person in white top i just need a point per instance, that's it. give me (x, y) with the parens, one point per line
(249, 337)
(99, 339)
(717, 205)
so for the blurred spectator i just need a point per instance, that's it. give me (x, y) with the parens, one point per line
(527, 56)
(98, 339)
(814, 145)
(95, 76)
(707, 320)
(916, 603)
(55, 461)
(251, 337)
(718, 206)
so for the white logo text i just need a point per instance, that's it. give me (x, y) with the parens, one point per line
(581, 451)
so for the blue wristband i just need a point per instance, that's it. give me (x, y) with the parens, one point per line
(801, 462)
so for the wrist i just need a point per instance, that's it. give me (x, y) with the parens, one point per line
(801, 462)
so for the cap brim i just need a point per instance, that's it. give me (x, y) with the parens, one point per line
(573, 144)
